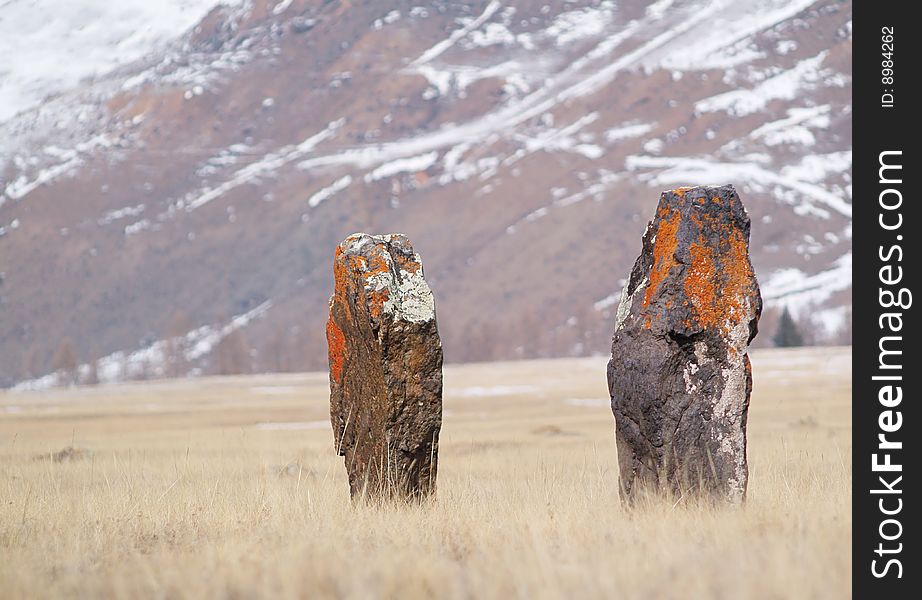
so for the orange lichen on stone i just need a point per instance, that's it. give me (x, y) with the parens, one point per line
(367, 269)
(336, 341)
(664, 247)
(737, 274)
(340, 281)
(358, 264)
(407, 263)
(701, 283)
(376, 301)
(680, 192)
(719, 279)
(378, 264)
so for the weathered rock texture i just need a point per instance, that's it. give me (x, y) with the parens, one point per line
(679, 376)
(385, 368)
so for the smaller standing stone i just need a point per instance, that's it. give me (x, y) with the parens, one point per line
(385, 368)
(679, 375)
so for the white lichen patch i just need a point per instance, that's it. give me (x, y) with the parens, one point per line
(687, 373)
(731, 403)
(408, 296)
(353, 244)
(413, 299)
(728, 406)
(701, 352)
(624, 305)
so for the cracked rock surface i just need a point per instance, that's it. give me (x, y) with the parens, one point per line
(385, 368)
(679, 375)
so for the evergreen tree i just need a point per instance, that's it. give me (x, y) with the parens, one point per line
(787, 334)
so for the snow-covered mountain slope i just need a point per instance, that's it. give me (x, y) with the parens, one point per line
(49, 47)
(521, 146)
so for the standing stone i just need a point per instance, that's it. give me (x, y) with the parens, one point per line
(679, 376)
(385, 368)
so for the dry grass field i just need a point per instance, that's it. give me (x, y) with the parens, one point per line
(229, 488)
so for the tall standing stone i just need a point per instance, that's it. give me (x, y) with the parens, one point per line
(679, 375)
(385, 368)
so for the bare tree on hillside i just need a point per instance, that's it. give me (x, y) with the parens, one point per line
(232, 354)
(276, 359)
(175, 363)
(843, 336)
(30, 363)
(92, 375)
(65, 361)
(309, 348)
(141, 370)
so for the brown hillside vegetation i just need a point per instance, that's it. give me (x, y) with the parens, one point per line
(521, 146)
(229, 487)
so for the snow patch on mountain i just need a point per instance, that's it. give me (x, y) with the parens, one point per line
(411, 164)
(579, 24)
(441, 47)
(151, 360)
(793, 288)
(699, 171)
(736, 21)
(783, 86)
(595, 190)
(795, 128)
(63, 162)
(627, 131)
(120, 213)
(264, 167)
(328, 192)
(49, 46)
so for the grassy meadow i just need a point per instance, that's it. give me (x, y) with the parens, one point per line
(230, 488)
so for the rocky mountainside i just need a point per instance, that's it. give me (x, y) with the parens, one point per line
(173, 207)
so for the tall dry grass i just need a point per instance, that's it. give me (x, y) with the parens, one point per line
(197, 489)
